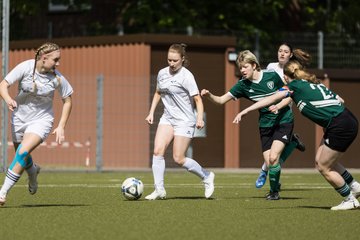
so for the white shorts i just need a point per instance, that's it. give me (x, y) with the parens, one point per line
(184, 131)
(42, 128)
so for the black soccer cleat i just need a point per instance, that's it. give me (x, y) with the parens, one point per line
(273, 196)
(299, 144)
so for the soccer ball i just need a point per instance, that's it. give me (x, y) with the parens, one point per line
(132, 188)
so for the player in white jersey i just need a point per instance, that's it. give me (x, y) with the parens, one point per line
(32, 111)
(177, 89)
(285, 53)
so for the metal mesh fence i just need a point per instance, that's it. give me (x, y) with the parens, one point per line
(80, 149)
(338, 51)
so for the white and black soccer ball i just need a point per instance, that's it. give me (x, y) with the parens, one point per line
(132, 188)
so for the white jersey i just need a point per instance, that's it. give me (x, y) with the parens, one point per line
(177, 93)
(36, 105)
(275, 66)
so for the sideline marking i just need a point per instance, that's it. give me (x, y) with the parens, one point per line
(200, 185)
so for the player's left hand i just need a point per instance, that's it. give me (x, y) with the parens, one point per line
(274, 109)
(200, 124)
(59, 135)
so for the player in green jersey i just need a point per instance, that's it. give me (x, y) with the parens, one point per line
(275, 129)
(326, 109)
(285, 53)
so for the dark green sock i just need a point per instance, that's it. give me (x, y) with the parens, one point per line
(289, 148)
(344, 190)
(347, 177)
(274, 177)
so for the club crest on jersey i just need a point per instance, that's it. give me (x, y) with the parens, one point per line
(270, 84)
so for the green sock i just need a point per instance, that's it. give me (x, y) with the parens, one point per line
(344, 190)
(347, 177)
(289, 148)
(274, 177)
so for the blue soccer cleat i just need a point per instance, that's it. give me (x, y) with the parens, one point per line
(260, 182)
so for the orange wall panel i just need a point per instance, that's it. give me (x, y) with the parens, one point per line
(126, 73)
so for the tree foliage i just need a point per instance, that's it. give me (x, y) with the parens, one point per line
(265, 17)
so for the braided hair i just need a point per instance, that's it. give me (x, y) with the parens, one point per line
(45, 48)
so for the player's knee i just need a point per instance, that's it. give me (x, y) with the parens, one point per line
(156, 153)
(273, 159)
(179, 159)
(21, 150)
(21, 156)
(321, 168)
(159, 151)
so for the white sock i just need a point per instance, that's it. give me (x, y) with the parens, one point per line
(158, 169)
(264, 167)
(350, 197)
(353, 184)
(10, 180)
(194, 167)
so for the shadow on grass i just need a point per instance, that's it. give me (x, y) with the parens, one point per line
(188, 198)
(281, 198)
(314, 207)
(292, 207)
(297, 189)
(172, 198)
(49, 205)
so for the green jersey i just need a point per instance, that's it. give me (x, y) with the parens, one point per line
(315, 101)
(269, 83)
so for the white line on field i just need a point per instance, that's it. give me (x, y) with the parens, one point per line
(234, 185)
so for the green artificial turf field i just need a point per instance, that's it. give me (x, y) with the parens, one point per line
(83, 205)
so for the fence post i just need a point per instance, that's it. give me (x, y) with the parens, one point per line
(99, 123)
(320, 50)
(5, 63)
(318, 129)
(257, 44)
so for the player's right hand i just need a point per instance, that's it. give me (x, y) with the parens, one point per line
(150, 119)
(239, 116)
(12, 105)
